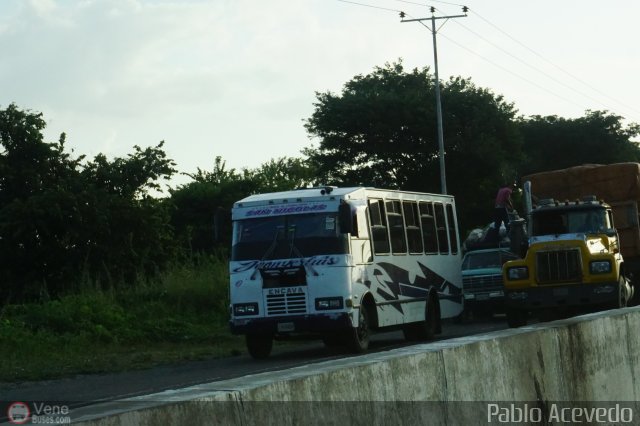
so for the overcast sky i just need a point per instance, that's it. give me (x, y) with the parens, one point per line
(237, 78)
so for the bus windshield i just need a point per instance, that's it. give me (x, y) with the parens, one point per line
(284, 237)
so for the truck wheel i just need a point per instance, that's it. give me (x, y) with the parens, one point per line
(622, 293)
(358, 337)
(516, 318)
(423, 330)
(259, 345)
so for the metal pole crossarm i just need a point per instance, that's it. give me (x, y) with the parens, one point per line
(435, 17)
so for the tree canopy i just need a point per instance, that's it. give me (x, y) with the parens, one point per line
(381, 131)
(62, 218)
(599, 137)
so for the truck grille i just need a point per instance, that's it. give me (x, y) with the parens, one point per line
(291, 303)
(559, 266)
(483, 283)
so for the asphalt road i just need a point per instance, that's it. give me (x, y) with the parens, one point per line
(88, 389)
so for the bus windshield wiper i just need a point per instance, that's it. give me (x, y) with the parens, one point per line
(294, 250)
(269, 251)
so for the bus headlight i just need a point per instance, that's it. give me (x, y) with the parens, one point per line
(518, 273)
(600, 267)
(327, 303)
(240, 309)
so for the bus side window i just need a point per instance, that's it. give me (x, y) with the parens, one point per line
(441, 226)
(378, 222)
(414, 236)
(396, 227)
(452, 229)
(354, 221)
(427, 221)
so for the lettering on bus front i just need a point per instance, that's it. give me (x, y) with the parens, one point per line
(287, 290)
(287, 263)
(278, 210)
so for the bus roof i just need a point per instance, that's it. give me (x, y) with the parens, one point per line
(325, 193)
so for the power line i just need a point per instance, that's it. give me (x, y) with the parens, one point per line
(533, 67)
(529, 81)
(369, 5)
(556, 66)
(511, 72)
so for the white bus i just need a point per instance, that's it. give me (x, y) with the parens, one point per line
(338, 263)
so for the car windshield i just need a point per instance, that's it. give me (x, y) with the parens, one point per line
(486, 259)
(292, 236)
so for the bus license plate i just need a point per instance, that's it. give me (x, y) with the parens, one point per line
(285, 327)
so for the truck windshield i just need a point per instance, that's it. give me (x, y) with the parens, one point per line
(570, 221)
(283, 237)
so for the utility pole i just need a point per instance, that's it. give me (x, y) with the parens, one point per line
(434, 31)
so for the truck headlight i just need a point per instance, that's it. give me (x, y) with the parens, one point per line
(327, 303)
(600, 267)
(518, 273)
(240, 309)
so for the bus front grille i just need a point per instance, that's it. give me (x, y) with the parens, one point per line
(286, 304)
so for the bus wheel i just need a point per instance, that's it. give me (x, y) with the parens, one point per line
(516, 318)
(358, 337)
(259, 345)
(423, 330)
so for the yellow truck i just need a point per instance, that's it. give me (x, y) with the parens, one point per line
(578, 257)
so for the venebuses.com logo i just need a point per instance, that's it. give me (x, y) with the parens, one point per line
(18, 413)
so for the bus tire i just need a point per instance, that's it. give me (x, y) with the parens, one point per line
(259, 345)
(358, 337)
(516, 318)
(423, 330)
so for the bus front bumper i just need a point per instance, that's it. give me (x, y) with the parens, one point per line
(288, 325)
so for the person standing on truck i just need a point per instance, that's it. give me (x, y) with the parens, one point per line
(503, 206)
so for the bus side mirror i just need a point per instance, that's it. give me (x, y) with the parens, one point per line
(345, 219)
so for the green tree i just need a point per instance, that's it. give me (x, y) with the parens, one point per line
(282, 174)
(38, 206)
(599, 137)
(381, 131)
(64, 220)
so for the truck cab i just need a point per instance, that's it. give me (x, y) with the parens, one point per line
(573, 263)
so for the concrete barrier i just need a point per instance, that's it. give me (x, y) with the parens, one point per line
(587, 361)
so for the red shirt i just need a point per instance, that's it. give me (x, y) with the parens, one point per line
(503, 199)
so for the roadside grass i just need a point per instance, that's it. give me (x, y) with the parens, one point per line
(182, 316)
